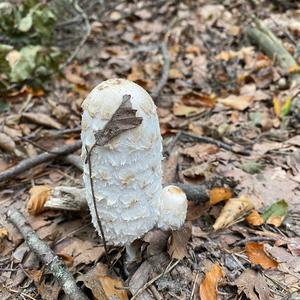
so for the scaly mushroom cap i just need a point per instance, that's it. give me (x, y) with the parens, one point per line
(173, 208)
(127, 170)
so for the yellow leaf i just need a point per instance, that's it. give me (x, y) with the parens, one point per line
(219, 194)
(277, 107)
(257, 256)
(233, 209)
(3, 233)
(255, 218)
(208, 287)
(38, 197)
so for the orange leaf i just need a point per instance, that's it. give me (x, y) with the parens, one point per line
(68, 259)
(294, 69)
(255, 219)
(113, 288)
(233, 209)
(38, 197)
(219, 194)
(257, 256)
(208, 287)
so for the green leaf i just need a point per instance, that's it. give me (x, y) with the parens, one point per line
(251, 167)
(286, 108)
(25, 66)
(26, 23)
(3, 106)
(276, 213)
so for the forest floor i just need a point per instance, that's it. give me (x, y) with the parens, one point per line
(208, 79)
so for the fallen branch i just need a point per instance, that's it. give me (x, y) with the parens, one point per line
(73, 198)
(205, 139)
(273, 47)
(29, 163)
(85, 37)
(164, 73)
(47, 257)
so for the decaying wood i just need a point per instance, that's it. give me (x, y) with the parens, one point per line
(273, 47)
(73, 198)
(47, 256)
(29, 163)
(67, 198)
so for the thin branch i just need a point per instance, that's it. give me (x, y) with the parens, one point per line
(47, 256)
(29, 163)
(164, 73)
(167, 270)
(85, 37)
(205, 139)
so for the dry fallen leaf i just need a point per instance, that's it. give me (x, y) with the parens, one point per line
(257, 256)
(42, 119)
(3, 233)
(183, 110)
(200, 151)
(7, 143)
(208, 287)
(72, 74)
(255, 219)
(38, 196)
(113, 288)
(237, 102)
(102, 286)
(253, 285)
(233, 209)
(199, 99)
(178, 242)
(219, 194)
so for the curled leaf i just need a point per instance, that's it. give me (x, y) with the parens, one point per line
(255, 218)
(219, 194)
(233, 209)
(38, 197)
(257, 256)
(275, 214)
(208, 287)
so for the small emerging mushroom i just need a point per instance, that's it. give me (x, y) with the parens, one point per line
(127, 170)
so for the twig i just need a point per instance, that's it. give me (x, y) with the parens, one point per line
(255, 239)
(29, 163)
(205, 139)
(85, 37)
(194, 286)
(167, 270)
(74, 160)
(164, 73)
(46, 255)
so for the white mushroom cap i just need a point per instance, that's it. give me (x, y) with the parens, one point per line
(127, 170)
(173, 208)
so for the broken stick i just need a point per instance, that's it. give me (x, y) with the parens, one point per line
(47, 256)
(273, 47)
(29, 163)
